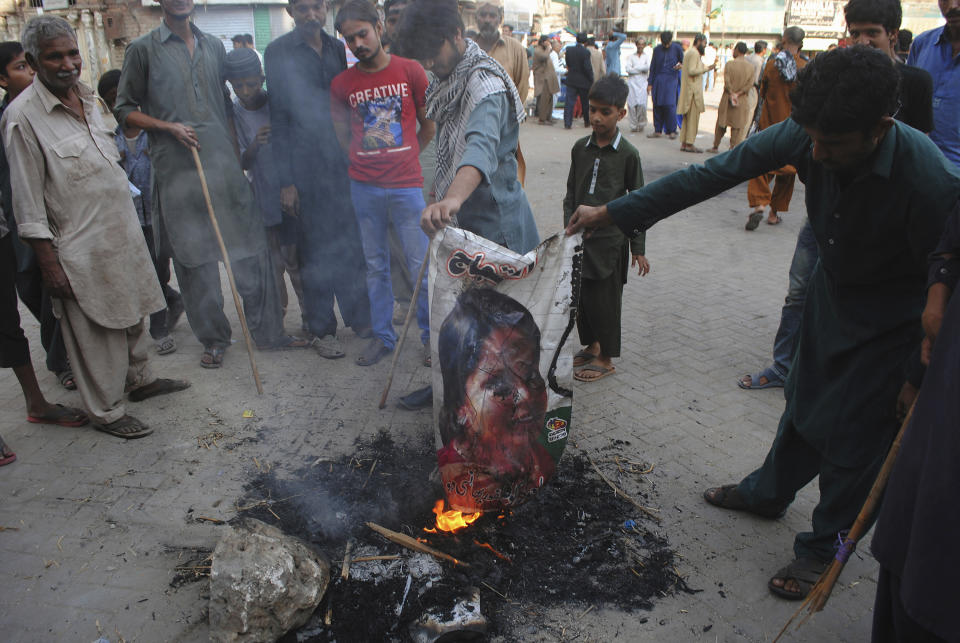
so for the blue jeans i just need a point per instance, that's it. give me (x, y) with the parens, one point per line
(805, 258)
(376, 209)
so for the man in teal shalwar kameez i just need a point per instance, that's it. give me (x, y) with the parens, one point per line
(877, 195)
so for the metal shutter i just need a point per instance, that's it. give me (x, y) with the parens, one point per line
(224, 22)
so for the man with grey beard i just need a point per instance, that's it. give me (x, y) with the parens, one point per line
(73, 208)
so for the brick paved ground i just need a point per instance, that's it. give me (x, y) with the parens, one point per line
(92, 513)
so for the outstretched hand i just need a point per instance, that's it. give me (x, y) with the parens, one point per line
(588, 217)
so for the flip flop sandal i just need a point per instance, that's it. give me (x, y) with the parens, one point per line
(67, 380)
(79, 418)
(166, 345)
(776, 222)
(585, 358)
(6, 455)
(753, 221)
(772, 381)
(593, 368)
(127, 427)
(692, 150)
(212, 357)
(159, 386)
(328, 347)
(804, 571)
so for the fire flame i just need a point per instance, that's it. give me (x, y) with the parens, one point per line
(450, 520)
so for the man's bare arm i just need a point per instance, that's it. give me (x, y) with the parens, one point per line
(54, 278)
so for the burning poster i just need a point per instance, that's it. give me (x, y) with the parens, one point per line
(502, 402)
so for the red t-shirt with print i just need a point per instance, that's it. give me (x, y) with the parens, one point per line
(381, 108)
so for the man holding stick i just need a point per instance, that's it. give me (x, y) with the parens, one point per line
(878, 193)
(172, 86)
(478, 113)
(74, 209)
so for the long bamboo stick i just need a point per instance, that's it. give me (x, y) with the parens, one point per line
(226, 263)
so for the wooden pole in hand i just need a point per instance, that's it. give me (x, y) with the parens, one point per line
(406, 324)
(226, 263)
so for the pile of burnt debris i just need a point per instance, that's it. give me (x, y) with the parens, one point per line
(581, 543)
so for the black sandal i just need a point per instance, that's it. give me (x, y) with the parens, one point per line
(212, 357)
(67, 380)
(729, 497)
(805, 572)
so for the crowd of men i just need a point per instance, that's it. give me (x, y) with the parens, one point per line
(338, 176)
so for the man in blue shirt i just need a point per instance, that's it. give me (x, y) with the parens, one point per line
(664, 84)
(938, 51)
(611, 52)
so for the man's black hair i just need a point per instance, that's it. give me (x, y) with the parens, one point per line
(759, 46)
(741, 48)
(360, 10)
(581, 38)
(109, 80)
(238, 38)
(543, 38)
(888, 13)
(592, 42)
(699, 38)
(610, 90)
(8, 51)
(510, 27)
(846, 90)
(388, 5)
(425, 26)
(248, 38)
(904, 40)
(666, 37)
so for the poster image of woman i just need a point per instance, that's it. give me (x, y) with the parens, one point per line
(494, 403)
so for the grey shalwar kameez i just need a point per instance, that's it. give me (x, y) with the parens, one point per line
(161, 79)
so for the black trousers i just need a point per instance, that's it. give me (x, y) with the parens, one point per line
(161, 263)
(571, 99)
(791, 463)
(14, 349)
(29, 282)
(598, 315)
(257, 286)
(891, 623)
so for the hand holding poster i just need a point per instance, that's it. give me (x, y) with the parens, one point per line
(502, 403)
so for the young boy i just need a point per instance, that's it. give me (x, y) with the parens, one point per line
(251, 118)
(603, 166)
(132, 145)
(376, 106)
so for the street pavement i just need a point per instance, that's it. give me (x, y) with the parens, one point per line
(93, 525)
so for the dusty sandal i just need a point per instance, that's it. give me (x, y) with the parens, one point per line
(127, 427)
(581, 373)
(582, 358)
(159, 386)
(804, 572)
(212, 358)
(67, 380)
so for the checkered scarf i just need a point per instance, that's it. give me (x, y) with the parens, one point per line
(451, 101)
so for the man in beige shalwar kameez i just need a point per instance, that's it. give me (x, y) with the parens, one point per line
(738, 100)
(690, 103)
(74, 208)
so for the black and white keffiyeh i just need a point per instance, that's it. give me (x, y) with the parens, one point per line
(451, 101)
(786, 64)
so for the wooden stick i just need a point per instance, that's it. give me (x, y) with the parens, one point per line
(406, 324)
(623, 494)
(226, 263)
(369, 559)
(820, 593)
(345, 570)
(413, 543)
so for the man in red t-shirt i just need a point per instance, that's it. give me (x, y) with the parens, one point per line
(376, 106)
